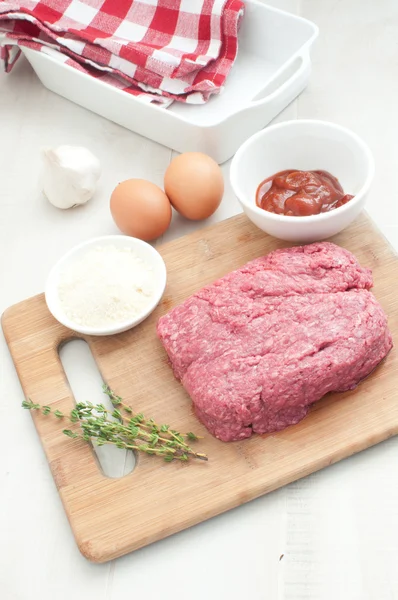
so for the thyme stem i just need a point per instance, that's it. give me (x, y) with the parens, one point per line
(125, 431)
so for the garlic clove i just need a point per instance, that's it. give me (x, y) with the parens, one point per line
(69, 175)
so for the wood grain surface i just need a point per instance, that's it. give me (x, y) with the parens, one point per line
(111, 517)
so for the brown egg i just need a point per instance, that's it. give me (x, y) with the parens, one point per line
(194, 185)
(140, 209)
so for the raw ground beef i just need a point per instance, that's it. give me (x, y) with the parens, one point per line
(256, 348)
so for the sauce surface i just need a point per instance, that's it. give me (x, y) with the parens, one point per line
(300, 193)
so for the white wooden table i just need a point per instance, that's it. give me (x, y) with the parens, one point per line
(331, 536)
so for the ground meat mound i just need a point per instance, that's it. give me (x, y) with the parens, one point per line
(257, 347)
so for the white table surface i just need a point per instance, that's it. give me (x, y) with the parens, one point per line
(338, 529)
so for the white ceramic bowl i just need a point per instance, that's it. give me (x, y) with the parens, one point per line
(141, 249)
(303, 145)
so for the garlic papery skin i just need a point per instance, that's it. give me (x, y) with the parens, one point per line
(69, 175)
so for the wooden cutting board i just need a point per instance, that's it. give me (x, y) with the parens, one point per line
(111, 517)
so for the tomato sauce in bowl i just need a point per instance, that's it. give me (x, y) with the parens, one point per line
(301, 193)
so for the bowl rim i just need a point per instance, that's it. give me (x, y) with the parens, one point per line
(54, 306)
(306, 218)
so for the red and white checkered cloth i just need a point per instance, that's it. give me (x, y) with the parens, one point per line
(159, 50)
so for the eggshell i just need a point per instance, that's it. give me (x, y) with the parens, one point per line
(140, 209)
(194, 185)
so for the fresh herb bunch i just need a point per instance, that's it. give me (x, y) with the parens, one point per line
(123, 429)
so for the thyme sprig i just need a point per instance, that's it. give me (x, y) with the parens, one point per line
(123, 429)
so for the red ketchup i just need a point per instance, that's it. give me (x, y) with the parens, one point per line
(301, 193)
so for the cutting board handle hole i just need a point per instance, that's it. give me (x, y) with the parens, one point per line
(86, 383)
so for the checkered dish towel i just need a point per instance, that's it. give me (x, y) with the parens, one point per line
(158, 50)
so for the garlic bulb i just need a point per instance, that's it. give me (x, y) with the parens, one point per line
(69, 176)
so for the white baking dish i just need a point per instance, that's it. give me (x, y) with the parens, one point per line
(272, 68)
